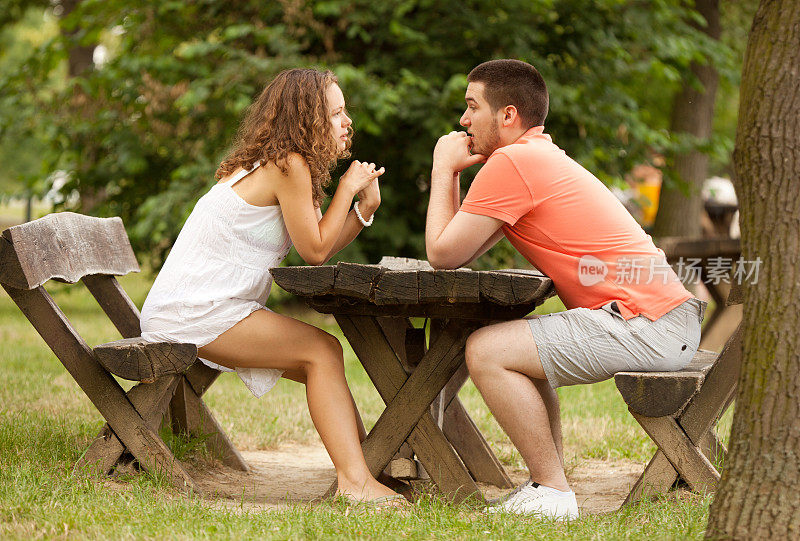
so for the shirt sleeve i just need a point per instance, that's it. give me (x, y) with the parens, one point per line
(499, 191)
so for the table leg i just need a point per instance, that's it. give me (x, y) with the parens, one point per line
(465, 437)
(407, 399)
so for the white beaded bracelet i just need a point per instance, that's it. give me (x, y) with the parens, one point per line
(361, 218)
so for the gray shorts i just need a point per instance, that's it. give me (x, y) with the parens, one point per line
(587, 346)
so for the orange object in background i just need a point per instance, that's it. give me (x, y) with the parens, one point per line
(645, 183)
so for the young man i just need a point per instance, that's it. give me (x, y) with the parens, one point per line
(627, 310)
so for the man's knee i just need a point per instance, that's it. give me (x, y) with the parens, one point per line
(477, 350)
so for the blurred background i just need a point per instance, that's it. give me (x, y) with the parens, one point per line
(119, 108)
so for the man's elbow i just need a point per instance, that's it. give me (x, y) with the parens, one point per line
(442, 261)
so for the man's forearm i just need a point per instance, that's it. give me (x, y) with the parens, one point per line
(441, 207)
(456, 192)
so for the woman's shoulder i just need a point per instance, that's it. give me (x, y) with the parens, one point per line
(296, 164)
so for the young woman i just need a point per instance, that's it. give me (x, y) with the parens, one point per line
(215, 281)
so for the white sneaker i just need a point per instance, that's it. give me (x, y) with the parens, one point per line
(505, 497)
(533, 499)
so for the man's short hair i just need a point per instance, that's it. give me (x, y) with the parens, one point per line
(513, 82)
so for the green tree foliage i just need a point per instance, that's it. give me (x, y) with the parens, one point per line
(141, 135)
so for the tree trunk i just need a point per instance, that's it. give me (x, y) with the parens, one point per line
(692, 113)
(80, 57)
(758, 496)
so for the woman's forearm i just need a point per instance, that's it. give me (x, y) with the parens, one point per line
(352, 227)
(333, 222)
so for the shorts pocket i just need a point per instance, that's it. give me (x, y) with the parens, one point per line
(684, 326)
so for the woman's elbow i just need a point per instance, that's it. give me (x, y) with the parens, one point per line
(314, 258)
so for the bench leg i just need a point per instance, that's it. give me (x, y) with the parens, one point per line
(697, 420)
(191, 416)
(101, 388)
(151, 401)
(686, 457)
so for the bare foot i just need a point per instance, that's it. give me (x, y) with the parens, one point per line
(371, 490)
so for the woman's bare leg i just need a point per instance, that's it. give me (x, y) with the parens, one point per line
(268, 340)
(300, 377)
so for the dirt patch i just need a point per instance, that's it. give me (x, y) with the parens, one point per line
(297, 473)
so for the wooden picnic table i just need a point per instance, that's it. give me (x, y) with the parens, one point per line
(373, 305)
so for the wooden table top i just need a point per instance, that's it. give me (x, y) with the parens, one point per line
(409, 287)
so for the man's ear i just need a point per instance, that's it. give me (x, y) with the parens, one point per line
(510, 116)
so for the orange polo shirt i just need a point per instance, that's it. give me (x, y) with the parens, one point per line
(566, 222)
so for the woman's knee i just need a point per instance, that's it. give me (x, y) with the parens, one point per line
(325, 350)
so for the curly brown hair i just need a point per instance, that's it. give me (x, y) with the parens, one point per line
(290, 115)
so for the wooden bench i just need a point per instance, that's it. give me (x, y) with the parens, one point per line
(678, 410)
(70, 247)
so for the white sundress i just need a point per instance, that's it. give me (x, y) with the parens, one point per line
(217, 274)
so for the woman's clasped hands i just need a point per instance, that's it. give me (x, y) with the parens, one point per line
(361, 178)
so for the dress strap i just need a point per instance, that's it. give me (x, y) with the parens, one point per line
(241, 174)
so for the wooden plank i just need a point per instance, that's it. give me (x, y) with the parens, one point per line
(403, 263)
(65, 246)
(437, 406)
(657, 478)
(151, 401)
(471, 446)
(413, 399)
(201, 376)
(692, 465)
(655, 394)
(480, 312)
(512, 287)
(101, 388)
(397, 287)
(441, 462)
(11, 272)
(306, 281)
(125, 316)
(198, 378)
(386, 372)
(117, 305)
(138, 360)
(190, 415)
(403, 469)
(699, 248)
(453, 286)
(450, 391)
(717, 392)
(355, 280)
(395, 330)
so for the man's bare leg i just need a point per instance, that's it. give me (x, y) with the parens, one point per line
(504, 365)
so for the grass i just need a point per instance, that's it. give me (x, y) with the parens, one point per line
(46, 422)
